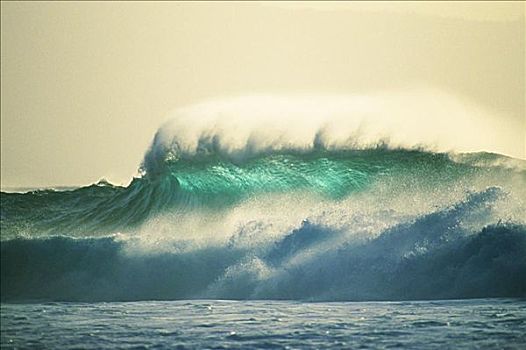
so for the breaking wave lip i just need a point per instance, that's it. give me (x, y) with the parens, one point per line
(239, 128)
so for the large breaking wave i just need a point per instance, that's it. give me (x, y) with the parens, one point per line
(308, 215)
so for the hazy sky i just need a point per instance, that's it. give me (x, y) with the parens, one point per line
(85, 85)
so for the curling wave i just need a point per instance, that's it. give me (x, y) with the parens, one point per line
(220, 212)
(361, 225)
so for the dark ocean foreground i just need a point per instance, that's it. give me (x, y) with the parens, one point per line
(458, 324)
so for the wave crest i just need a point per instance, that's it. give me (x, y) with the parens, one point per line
(247, 126)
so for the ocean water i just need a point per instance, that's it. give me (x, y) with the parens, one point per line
(210, 324)
(304, 228)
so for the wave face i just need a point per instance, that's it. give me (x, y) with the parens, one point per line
(374, 224)
(310, 213)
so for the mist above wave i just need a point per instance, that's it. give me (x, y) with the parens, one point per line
(238, 128)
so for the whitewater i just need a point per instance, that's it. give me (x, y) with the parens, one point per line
(328, 200)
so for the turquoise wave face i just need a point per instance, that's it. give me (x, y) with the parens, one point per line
(332, 175)
(213, 183)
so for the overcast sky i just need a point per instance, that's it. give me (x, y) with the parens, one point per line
(85, 85)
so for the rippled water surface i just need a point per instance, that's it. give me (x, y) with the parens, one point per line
(483, 323)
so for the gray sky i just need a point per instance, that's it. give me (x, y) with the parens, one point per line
(85, 85)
